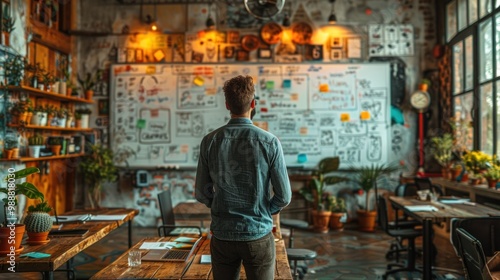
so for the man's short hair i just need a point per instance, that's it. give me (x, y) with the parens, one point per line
(239, 93)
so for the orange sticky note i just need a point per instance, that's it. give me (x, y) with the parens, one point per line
(345, 117)
(323, 88)
(364, 115)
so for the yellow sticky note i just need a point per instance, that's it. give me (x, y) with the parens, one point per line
(364, 115)
(151, 70)
(323, 88)
(198, 81)
(345, 117)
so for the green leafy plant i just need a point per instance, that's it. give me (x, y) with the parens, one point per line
(367, 177)
(26, 188)
(42, 206)
(442, 148)
(321, 178)
(90, 80)
(336, 204)
(8, 23)
(98, 167)
(492, 173)
(14, 69)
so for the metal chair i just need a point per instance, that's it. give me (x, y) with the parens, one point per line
(473, 257)
(410, 234)
(167, 215)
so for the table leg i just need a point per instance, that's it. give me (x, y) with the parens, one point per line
(48, 275)
(130, 233)
(427, 247)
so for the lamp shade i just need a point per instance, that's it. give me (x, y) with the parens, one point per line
(210, 23)
(332, 19)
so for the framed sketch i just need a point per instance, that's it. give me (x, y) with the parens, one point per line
(130, 55)
(242, 55)
(103, 107)
(233, 37)
(264, 53)
(337, 42)
(336, 54)
(354, 47)
(139, 55)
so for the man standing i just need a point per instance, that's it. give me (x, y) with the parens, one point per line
(242, 177)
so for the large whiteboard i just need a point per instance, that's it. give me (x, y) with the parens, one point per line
(160, 112)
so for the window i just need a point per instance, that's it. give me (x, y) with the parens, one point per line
(476, 72)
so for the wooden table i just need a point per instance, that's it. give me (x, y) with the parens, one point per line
(62, 249)
(194, 210)
(445, 213)
(190, 269)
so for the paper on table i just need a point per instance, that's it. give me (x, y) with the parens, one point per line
(206, 259)
(421, 208)
(72, 218)
(157, 245)
(453, 200)
(108, 217)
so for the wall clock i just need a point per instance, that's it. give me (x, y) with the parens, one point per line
(420, 99)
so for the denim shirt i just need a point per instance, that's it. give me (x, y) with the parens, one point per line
(242, 177)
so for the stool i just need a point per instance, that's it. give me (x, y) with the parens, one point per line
(296, 254)
(293, 224)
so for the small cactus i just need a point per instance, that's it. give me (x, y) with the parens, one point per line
(38, 218)
(38, 222)
(35, 140)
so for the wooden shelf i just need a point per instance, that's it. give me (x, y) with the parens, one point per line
(28, 159)
(72, 129)
(48, 94)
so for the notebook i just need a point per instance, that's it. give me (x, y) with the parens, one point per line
(179, 253)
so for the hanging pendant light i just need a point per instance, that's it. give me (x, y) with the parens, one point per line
(332, 19)
(210, 23)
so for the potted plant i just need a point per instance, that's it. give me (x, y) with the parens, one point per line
(14, 69)
(78, 119)
(442, 149)
(12, 190)
(38, 223)
(321, 178)
(367, 177)
(11, 146)
(476, 162)
(35, 143)
(88, 83)
(492, 175)
(337, 207)
(97, 167)
(55, 144)
(8, 26)
(85, 116)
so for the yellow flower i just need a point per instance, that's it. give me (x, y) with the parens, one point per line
(476, 160)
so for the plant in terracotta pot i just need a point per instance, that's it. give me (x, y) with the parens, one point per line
(442, 150)
(492, 175)
(88, 83)
(38, 223)
(55, 144)
(9, 243)
(367, 177)
(97, 167)
(337, 206)
(322, 177)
